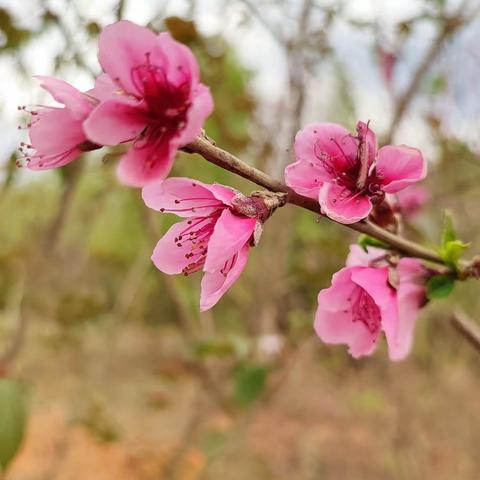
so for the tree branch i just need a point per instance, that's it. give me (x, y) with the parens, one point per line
(227, 161)
(467, 327)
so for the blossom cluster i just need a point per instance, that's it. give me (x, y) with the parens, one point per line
(150, 98)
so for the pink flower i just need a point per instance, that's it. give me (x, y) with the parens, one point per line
(151, 96)
(411, 200)
(362, 302)
(387, 61)
(215, 237)
(348, 173)
(56, 134)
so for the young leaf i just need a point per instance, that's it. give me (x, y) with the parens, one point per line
(440, 286)
(366, 241)
(13, 415)
(448, 233)
(451, 249)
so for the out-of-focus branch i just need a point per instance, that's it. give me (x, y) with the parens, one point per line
(120, 9)
(467, 327)
(56, 227)
(274, 32)
(449, 26)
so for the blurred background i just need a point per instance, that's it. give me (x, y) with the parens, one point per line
(110, 372)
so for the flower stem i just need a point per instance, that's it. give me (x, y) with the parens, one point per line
(227, 161)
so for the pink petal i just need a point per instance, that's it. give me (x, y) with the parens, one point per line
(123, 46)
(412, 199)
(410, 298)
(337, 328)
(180, 63)
(342, 205)
(358, 257)
(55, 131)
(183, 196)
(112, 123)
(105, 89)
(76, 101)
(222, 193)
(334, 322)
(306, 177)
(375, 282)
(53, 161)
(327, 138)
(215, 284)
(167, 256)
(365, 132)
(334, 299)
(200, 109)
(146, 163)
(399, 167)
(231, 233)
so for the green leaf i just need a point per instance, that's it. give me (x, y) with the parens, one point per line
(250, 380)
(448, 232)
(452, 251)
(451, 248)
(367, 241)
(214, 348)
(13, 413)
(440, 286)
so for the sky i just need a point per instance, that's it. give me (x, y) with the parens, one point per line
(260, 52)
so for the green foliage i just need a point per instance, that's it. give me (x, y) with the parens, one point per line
(366, 241)
(14, 36)
(451, 248)
(250, 381)
(13, 415)
(440, 286)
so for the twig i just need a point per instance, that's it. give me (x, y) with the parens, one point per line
(276, 34)
(120, 9)
(449, 27)
(467, 327)
(56, 227)
(229, 162)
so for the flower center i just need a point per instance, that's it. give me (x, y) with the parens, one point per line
(194, 239)
(365, 310)
(167, 103)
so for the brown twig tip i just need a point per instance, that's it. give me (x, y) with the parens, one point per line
(467, 327)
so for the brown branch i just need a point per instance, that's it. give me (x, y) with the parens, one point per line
(229, 162)
(467, 327)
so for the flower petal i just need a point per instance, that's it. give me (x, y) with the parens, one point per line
(201, 108)
(328, 138)
(335, 324)
(342, 205)
(215, 284)
(375, 282)
(183, 196)
(170, 258)
(231, 233)
(410, 297)
(399, 167)
(306, 177)
(112, 123)
(123, 46)
(180, 63)
(76, 101)
(147, 163)
(358, 257)
(55, 131)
